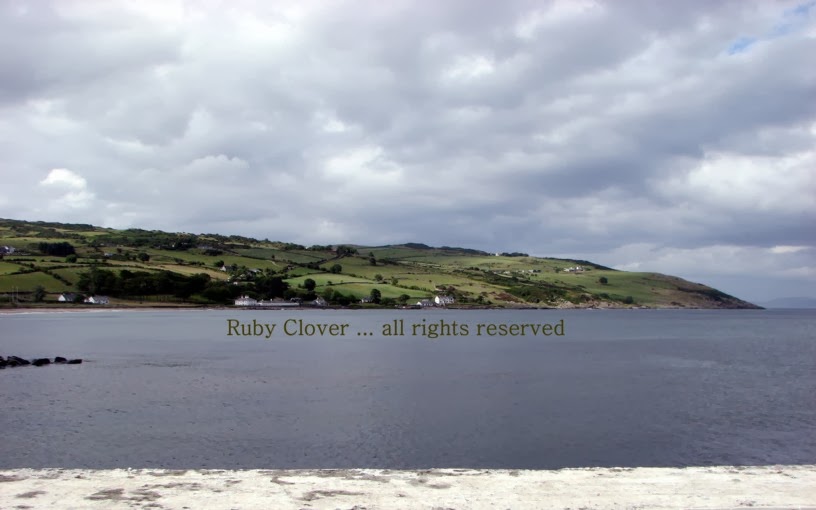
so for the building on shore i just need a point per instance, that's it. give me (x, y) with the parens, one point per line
(246, 301)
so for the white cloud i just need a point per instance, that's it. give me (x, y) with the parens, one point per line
(62, 177)
(558, 11)
(363, 170)
(470, 67)
(787, 249)
(71, 188)
(738, 181)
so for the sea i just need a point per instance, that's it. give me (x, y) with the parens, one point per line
(409, 389)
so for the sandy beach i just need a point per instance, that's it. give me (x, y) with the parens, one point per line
(719, 487)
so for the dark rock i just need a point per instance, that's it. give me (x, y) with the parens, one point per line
(14, 361)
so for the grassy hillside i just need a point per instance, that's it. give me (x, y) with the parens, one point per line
(159, 268)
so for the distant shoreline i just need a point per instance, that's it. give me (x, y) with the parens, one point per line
(119, 308)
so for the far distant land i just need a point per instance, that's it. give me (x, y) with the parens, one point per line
(46, 264)
(790, 302)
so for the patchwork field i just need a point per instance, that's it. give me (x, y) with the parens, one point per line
(214, 269)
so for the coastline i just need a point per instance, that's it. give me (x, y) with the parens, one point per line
(137, 308)
(715, 487)
(90, 309)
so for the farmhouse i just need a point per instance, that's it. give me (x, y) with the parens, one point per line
(425, 303)
(67, 297)
(97, 300)
(6, 250)
(443, 300)
(246, 301)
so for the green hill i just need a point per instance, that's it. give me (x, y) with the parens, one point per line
(41, 260)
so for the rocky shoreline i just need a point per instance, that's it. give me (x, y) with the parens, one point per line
(16, 361)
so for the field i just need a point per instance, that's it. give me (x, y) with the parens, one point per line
(29, 281)
(298, 257)
(469, 276)
(8, 268)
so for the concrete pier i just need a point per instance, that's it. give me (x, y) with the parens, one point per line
(721, 487)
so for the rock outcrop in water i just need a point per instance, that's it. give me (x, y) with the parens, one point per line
(15, 361)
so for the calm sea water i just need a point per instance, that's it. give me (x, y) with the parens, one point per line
(620, 388)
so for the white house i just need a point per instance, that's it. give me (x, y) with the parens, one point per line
(425, 303)
(246, 301)
(97, 300)
(443, 300)
(320, 301)
(66, 298)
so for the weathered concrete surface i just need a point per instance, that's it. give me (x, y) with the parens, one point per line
(653, 488)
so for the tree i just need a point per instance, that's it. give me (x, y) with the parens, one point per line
(602, 280)
(394, 280)
(343, 299)
(72, 258)
(372, 261)
(376, 296)
(403, 298)
(62, 249)
(218, 263)
(98, 281)
(378, 277)
(218, 292)
(272, 286)
(39, 293)
(144, 257)
(309, 284)
(336, 268)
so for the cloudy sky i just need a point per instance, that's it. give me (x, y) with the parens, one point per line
(677, 137)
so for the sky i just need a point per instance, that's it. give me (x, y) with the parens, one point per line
(675, 137)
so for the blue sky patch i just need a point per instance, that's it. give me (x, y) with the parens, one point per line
(740, 45)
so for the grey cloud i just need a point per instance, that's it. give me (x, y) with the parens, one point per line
(520, 126)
